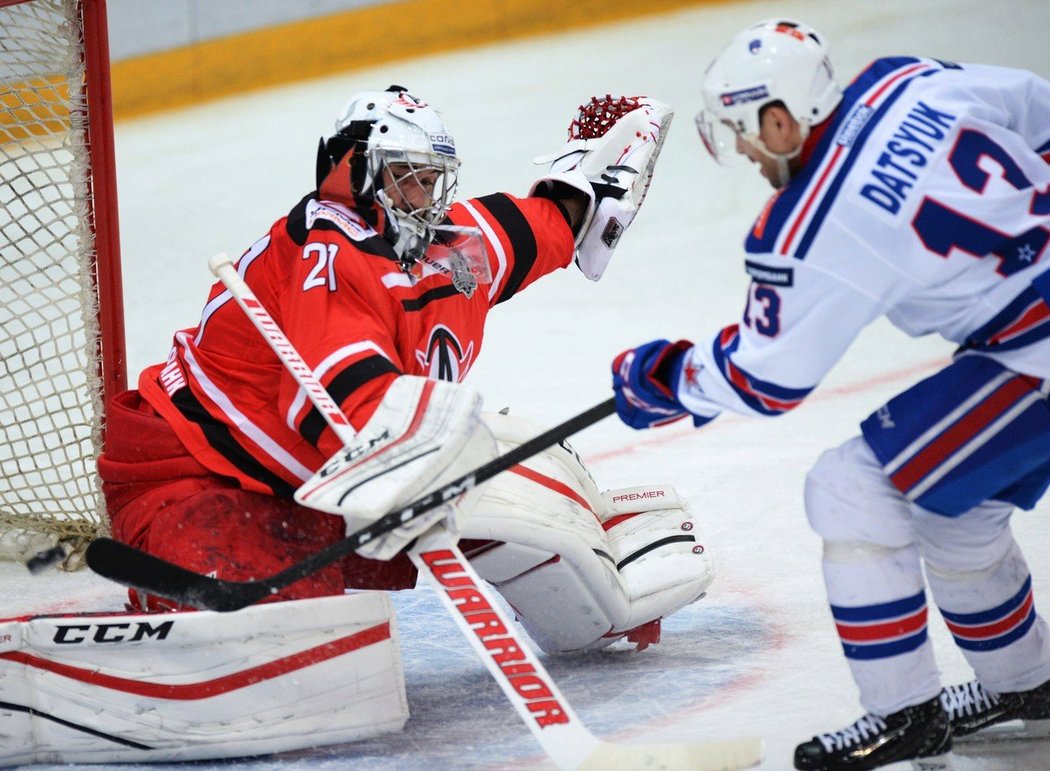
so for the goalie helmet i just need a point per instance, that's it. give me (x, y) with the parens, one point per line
(777, 60)
(398, 155)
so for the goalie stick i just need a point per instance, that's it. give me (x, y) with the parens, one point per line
(517, 670)
(509, 660)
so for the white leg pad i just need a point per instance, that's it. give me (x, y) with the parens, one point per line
(659, 550)
(199, 685)
(581, 568)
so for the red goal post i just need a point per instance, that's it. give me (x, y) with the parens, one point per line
(62, 348)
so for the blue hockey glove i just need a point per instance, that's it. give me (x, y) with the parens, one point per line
(644, 380)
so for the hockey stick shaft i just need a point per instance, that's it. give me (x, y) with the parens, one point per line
(222, 267)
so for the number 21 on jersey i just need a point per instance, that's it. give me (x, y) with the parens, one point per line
(323, 271)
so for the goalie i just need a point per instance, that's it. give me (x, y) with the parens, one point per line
(383, 284)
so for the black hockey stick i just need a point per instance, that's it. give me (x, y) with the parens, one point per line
(128, 566)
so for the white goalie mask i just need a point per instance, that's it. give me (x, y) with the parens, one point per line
(777, 60)
(405, 161)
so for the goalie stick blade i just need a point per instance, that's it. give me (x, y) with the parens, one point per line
(130, 567)
(726, 755)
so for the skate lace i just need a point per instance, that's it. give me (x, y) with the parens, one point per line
(867, 727)
(966, 700)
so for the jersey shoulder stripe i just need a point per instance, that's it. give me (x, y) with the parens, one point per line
(519, 233)
(795, 216)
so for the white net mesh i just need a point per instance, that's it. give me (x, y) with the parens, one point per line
(50, 389)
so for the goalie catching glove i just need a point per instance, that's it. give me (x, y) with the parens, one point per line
(609, 158)
(424, 434)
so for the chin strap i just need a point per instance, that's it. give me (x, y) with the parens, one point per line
(783, 160)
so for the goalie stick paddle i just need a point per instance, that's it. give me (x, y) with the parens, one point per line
(134, 568)
(528, 686)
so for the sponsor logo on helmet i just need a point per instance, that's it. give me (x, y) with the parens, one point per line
(754, 46)
(744, 95)
(790, 28)
(443, 144)
(406, 99)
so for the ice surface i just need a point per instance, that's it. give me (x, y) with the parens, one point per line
(759, 655)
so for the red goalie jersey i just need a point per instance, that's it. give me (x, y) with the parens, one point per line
(359, 320)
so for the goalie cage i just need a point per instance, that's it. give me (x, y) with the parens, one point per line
(61, 314)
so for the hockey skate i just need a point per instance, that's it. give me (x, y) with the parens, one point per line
(971, 708)
(920, 733)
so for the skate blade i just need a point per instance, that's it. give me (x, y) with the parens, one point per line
(1011, 731)
(933, 763)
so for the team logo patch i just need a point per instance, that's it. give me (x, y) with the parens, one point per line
(445, 357)
(766, 275)
(744, 95)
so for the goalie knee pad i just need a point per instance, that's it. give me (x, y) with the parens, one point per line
(580, 568)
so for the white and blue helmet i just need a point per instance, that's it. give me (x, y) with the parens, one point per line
(777, 60)
(389, 127)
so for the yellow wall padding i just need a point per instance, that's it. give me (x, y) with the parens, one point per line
(350, 40)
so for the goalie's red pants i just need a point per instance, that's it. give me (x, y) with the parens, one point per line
(161, 500)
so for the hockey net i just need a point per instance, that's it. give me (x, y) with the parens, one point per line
(61, 329)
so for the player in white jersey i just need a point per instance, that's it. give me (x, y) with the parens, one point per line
(921, 192)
